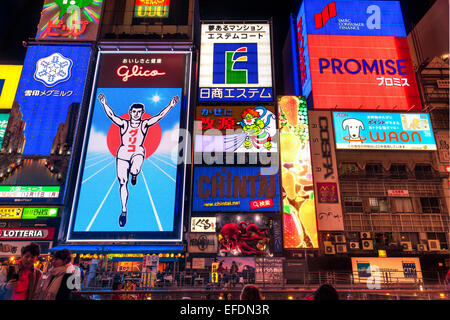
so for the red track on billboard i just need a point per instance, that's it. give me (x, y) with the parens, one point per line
(361, 72)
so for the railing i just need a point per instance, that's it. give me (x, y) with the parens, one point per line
(269, 294)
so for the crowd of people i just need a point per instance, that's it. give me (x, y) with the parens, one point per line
(23, 281)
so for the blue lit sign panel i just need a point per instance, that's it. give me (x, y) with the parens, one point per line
(363, 18)
(303, 53)
(231, 189)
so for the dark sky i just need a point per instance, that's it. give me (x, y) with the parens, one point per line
(19, 19)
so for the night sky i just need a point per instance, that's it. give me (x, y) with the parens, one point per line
(19, 19)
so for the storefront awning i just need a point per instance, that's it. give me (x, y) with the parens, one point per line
(120, 249)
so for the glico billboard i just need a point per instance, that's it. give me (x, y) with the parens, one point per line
(235, 62)
(37, 145)
(130, 183)
(354, 55)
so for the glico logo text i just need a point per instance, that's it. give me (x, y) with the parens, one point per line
(235, 63)
(354, 66)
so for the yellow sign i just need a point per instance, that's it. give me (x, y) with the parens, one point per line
(9, 81)
(11, 213)
(382, 254)
(214, 277)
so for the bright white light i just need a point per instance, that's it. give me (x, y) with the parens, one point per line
(156, 98)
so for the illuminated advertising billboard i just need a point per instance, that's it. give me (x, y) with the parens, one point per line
(303, 53)
(37, 144)
(373, 271)
(203, 224)
(70, 20)
(9, 80)
(245, 235)
(244, 189)
(14, 248)
(359, 18)
(357, 72)
(202, 243)
(4, 117)
(299, 212)
(131, 181)
(27, 233)
(383, 131)
(325, 172)
(151, 8)
(236, 129)
(235, 62)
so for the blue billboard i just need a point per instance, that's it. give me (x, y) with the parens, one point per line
(383, 131)
(37, 144)
(303, 53)
(53, 78)
(130, 184)
(363, 18)
(231, 189)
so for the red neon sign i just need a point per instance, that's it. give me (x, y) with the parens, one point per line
(125, 73)
(362, 72)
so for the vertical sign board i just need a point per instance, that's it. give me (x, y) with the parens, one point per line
(37, 144)
(383, 131)
(131, 181)
(299, 213)
(357, 55)
(70, 20)
(324, 165)
(235, 62)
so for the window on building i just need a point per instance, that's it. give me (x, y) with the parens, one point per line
(353, 204)
(430, 205)
(378, 204)
(438, 236)
(402, 205)
(423, 171)
(374, 169)
(349, 169)
(398, 171)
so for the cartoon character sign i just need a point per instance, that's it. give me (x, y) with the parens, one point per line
(259, 126)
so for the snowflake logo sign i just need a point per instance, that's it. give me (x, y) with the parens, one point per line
(53, 69)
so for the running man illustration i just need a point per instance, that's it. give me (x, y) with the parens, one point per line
(131, 153)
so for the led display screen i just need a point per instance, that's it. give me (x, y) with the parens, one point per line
(235, 62)
(131, 181)
(236, 189)
(151, 8)
(303, 53)
(245, 235)
(299, 213)
(383, 131)
(363, 18)
(236, 129)
(70, 20)
(37, 144)
(357, 72)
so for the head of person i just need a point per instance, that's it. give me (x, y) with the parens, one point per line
(117, 286)
(326, 292)
(136, 111)
(61, 258)
(30, 254)
(251, 292)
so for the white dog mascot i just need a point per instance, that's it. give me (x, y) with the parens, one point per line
(354, 126)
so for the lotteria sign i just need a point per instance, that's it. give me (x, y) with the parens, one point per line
(27, 233)
(357, 72)
(383, 131)
(236, 189)
(363, 18)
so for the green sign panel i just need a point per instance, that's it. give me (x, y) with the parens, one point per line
(29, 192)
(35, 213)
